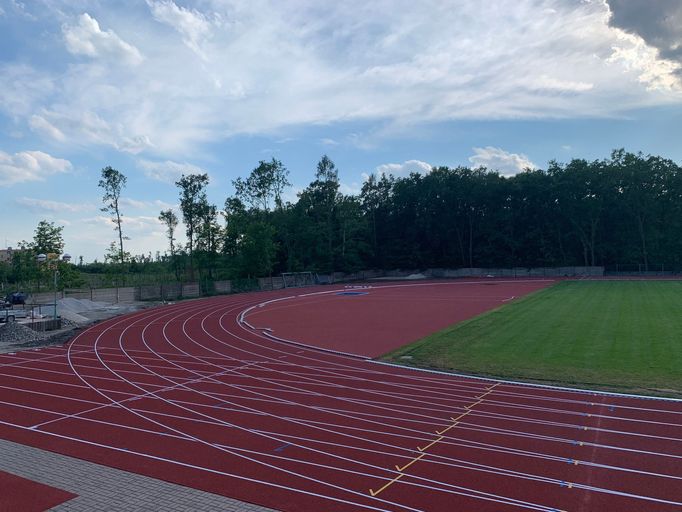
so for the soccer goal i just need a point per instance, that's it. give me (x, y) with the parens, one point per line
(298, 279)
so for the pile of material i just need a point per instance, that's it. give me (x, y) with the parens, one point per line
(71, 309)
(12, 333)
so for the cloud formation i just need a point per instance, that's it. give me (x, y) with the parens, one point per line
(136, 204)
(404, 169)
(29, 166)
(497, 159)
(254, 68)
(194, 26)
(46, 205)
(84, 37)
(658, 22)
(168, 171)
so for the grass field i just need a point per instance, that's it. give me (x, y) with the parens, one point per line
(620, 335)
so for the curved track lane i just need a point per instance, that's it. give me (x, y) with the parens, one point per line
(192, 394)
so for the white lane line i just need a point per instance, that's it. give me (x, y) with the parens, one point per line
(202, 345)
(266, 483)
(340, 488)
(133, 398)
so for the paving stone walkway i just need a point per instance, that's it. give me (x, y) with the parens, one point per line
(100, 488)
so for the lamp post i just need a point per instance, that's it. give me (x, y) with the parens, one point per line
(51, 260)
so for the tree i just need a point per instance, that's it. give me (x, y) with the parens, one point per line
(47, 238)
(170, 221)
(193, 204)
(319, 201)
(265, 182)
(208, 237)
(113, 182)
(375, 198)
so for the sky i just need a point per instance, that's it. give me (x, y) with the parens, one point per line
(159, 88)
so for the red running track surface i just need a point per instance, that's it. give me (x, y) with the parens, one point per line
(20, 494)
(382, 318)
(190, 394)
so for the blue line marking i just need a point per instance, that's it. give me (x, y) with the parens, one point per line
(352, 293)
(281, 448)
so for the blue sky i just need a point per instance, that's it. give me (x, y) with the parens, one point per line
(159, 87)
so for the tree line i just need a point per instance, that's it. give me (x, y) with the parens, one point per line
(622, 210)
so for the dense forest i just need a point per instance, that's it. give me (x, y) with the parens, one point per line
(624, 210)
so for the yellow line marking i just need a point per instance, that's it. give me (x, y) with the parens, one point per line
(444, 431)
(460, 416)
(488, 391)
(409, 463)
(430, 444)
(374, 493)
(472, 405)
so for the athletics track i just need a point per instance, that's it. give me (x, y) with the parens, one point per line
(192, 393)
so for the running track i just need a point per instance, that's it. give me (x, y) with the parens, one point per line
(190, 393)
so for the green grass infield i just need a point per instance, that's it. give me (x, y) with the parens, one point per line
(623, 336)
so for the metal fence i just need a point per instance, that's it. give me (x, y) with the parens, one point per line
(175, 290)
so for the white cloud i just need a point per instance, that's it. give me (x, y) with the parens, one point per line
(29, 166)
(146, 234)
(328, 142)
(267, 65)
(635, 55)
(350, 189)
(497, 159)
(168, 171)
(22, 88)
(42, 126)
(192, 25)
(549, 83)
(136, 204)
(140, 224)
(85, 128)
(404, 169)
(46, 205)
(86, 38)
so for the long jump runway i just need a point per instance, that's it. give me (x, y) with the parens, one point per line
(196, 393)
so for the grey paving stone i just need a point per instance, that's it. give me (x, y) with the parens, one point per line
(100, 488)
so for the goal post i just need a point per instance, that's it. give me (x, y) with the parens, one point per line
(298, 279)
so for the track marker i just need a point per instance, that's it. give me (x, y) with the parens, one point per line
(444, 431)
(460, 416)
(488, 390)
(374, 493)
(430, 444)
(409, 463)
